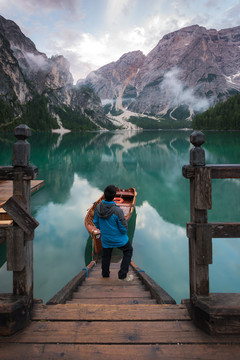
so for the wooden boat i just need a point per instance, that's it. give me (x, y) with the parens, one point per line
(126, 199)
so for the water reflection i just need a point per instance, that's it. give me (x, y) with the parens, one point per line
(77, 167)
(168, 265)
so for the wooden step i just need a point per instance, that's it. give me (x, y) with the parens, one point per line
(116, 332)
(113, 274)
(114, 301)
(6, 223)
(110, 282)
(93, 312)
(96, 292)
(105, 352)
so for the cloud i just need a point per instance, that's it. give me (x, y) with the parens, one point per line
(91, 34)
(232, 15)
(31, 6)
(36, 62)
(67, 239)
(169, 243)
(116, 10)
(87, 52)
(177, 92)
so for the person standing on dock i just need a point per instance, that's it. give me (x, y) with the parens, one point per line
(110, 220)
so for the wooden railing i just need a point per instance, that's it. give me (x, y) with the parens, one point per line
(199, 231)
(18, 235)
(217, 313)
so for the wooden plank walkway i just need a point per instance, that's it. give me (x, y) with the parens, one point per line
(96, 289)
(6, 189)
(113, 319)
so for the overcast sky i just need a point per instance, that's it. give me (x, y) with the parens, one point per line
(92, 33)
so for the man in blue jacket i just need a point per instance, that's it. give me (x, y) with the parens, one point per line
(110, 220)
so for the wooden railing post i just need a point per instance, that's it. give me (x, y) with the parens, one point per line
(15, 308)
(23, 279)
(200, 245)
(216, 313)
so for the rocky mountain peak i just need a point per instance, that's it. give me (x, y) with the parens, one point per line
(43, 72)
(15, 36)
(117, 79)
(191, 68)
(29, 76)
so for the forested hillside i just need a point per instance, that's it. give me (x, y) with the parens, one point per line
(223, 116)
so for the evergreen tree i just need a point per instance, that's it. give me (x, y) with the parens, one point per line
(223, 116)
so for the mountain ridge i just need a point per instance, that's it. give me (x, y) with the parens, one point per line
(28, 79)
(192, 67)
(188, 71)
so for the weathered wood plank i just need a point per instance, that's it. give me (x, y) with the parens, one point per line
(36, 185)
(198, 273)
(16, 210)
(113, 274)
(203, 244)
(9, 172)
(218, 313)
(100, 281)
(220, 303)
(134, 332)
(113, 265)
(188, 171)
(224, 171)
(192, 266)
(6, 189)
(119, 352)
(202, 280)
(110, 312)
(203, 189)
(110, 292)
(225, 230)
(115, 301)
(13, 310)
(10, 303)
(219, 230)
(110, 287)
(6, 172)
(218, 171)
(156, 291)
(15, 249)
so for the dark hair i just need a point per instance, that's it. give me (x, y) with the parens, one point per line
(110, 192)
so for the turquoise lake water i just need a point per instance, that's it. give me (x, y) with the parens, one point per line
(77, 167)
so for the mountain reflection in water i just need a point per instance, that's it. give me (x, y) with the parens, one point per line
(76, 168)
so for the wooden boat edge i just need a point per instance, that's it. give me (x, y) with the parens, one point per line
(95, 233)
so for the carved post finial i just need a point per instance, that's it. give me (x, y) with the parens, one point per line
(22, 132)
(197, 154)
(21, 149)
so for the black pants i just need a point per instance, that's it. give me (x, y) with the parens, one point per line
(106, 259)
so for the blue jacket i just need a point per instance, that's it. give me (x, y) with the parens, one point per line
(110, 220)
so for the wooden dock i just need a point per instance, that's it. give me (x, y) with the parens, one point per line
(99, 318)
(109, 318)
(6, 189)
